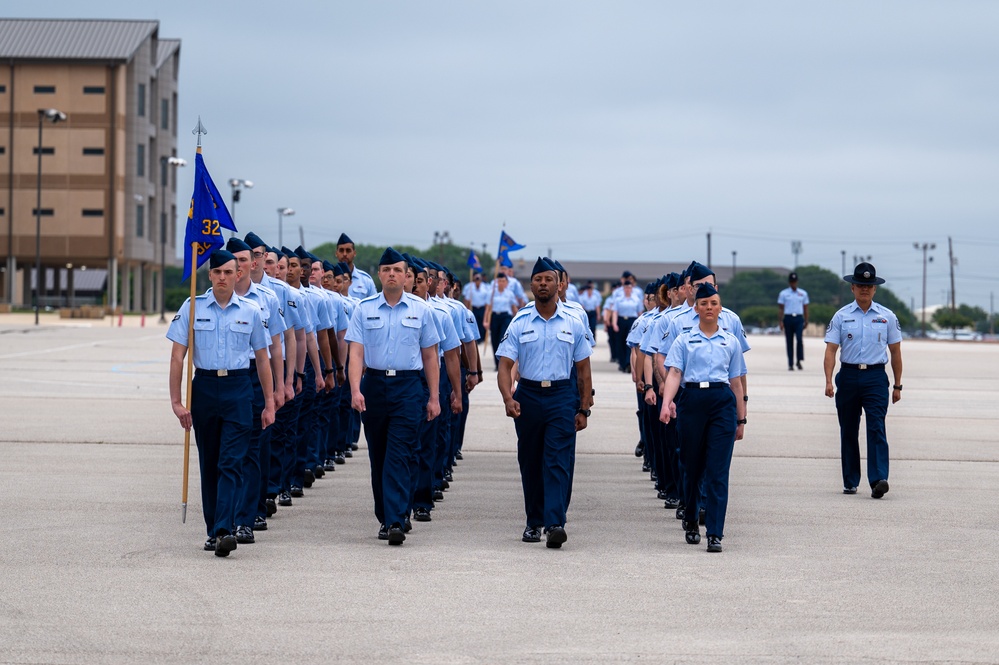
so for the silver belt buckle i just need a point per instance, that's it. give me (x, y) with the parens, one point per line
(704, 384)
(861, 366)
(546, 384)
(223, 372)
(390, 372)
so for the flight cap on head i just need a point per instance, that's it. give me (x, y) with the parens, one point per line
(705, 290)
(650, 288)
(699, 271)
(288, 253)
(313, 257)
(344, 240)
(390, 256)
(302, 254)
(863, 274)
(344, 268)
(542, 265)
(328, 267)
(253, 240)
(236, 245)
(219, 258)
(676, 278)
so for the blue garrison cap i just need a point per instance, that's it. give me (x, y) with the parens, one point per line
(390, 256)
(275, 250)
(699, 271)
(253, 240)
(705, 290)
(313, 257)
(220, 258)
(344, 268)
(344, 240)
(337, 270)
(676, 279)
(327, 266)
(650, 288)
(289, 253)
(542, 265)
(301, 253)
(236, 245)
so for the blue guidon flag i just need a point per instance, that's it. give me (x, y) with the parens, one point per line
(507, 244)
(473, 261)
(206, 217)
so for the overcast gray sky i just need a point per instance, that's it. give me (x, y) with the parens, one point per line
(605, 129)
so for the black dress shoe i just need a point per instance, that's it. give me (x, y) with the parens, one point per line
(329, 464)
(339, 458)
(445, 485)
(639, 449)
(458, 456)
(799, 365)
(225, 544)
(407, 525)
(679, 512)
(421, 515)
(671, 504)
(790, 368)
(383, 532)
(353, 446)
(700, 516)
(448, 477)
(244, 535)
(849, 490)
(284, 499)
(879, 489)
(396, 534)
(296, 491)
(259, 524)
(661, 495)
(438, 495)
(210, 544)
(556, 536)
(271, 506)
(345, 454)
(318, 471)
(714, 544)
(532, 534)
(693, 532)
(309, 478)
(646, 468)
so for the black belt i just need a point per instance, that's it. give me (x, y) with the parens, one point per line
(863, 366)
(705, 385)
(392, 372)
(545, 384)
(221, 372)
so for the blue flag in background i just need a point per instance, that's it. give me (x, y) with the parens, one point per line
(507, 244)
(206, 217)
(473, 261)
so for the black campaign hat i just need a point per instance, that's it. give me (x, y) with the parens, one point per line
(864, 273)
(793, 277)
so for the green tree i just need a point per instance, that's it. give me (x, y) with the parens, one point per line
(759, 315)
(946, 318)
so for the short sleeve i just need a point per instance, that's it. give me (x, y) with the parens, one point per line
(509, 346)
(428, 333)
(737, 363)
(677, 356)
(833, 330)
(354, 332)
(894, 329)
(259, 339)
(180, 325)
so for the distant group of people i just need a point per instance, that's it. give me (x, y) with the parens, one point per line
(294, 354)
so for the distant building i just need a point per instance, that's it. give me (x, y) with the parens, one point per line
(107, 194)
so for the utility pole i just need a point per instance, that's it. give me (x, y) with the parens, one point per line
(709, 249)
(953, 294)
(925, 247)
(796, 249)
(733, 263)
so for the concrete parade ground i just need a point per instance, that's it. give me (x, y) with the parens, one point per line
(98, 568)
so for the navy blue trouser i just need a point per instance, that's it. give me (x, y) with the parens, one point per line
(667, 475)
(306, 420)
(546, 445)
(707, 439)
(253, 463)
(444, 429)
(591, 319)
(222, 417)
(794, 326)
(422, 495)
(463, 418)
(344, 417)
(283, 442)
(867, 390)
(623, 353)
(392, 416)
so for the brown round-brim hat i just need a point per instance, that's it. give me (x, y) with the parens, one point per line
(863, 274)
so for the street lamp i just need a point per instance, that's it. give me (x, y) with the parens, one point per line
(733, 262)
(237, 185)
(282, 213)
(165, 162)
(925, 247)
(53, 116)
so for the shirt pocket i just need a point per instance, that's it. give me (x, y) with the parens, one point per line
(409, 333)
(529, 336)
(204, 335)
(239, 335)
(565, 336)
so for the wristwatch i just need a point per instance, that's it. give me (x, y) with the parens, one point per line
(583, 412)
(339, 367)
(300, 375)
(899, 388)
(648, 386)
(327, 372)
(741, 421)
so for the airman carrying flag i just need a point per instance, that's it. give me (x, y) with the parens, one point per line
(206, 218)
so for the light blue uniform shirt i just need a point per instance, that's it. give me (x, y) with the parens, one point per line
(590, 301)
(629, 307)
(504, 301)
(307, 315)
(640, 327)
(794, 301)
(224, 338)
(393, 336)
(545, 350)
(728, 321)
(445, 329)
(361, 284)
(864, 337)
(717, 358)
(270, 312)
(457, 313)
(325, 314)
(288, 301)
(572, 293)
(468, 322)
(478, 295)
(658, 338)
(518, 289)
(574, 308)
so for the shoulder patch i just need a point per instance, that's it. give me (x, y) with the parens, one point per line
(177, 317)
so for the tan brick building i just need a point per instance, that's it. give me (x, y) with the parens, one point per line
(107, 193)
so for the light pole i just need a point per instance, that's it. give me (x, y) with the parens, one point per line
(733, 263)
(440, 239)
(165, 163)
(282, 213)
(53, 116)
(237, 185)
(925, 247)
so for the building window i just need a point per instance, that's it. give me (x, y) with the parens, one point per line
(140, 220)
(165, 113)
(44, 89)
(163, 228)
(140, 157)
(3, 149)
(93, 212)
(45, 151)
(1, 212)
(142, 100)
(163, 172)
(3, 89)
(93, 151)
(45, 212)
(93, 89)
